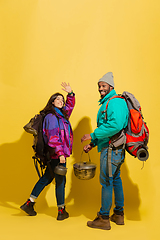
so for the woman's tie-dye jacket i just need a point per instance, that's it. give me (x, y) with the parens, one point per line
(57, 131)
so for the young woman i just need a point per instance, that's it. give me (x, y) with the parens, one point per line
(58, 136)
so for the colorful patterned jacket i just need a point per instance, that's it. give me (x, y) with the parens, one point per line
(57, 131)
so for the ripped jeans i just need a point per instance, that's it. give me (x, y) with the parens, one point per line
(111, 183)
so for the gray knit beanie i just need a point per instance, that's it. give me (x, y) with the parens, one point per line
(108, 78)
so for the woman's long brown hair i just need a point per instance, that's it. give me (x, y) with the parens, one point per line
(49, 108)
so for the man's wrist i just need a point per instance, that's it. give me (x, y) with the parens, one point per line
(91, 144)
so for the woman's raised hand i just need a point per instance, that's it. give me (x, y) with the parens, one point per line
(66, 87)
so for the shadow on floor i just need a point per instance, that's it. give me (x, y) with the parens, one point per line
(17, 177)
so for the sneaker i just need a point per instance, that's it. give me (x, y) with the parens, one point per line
(28, 208)
(62, 214)
(99, 222)
(118, 219)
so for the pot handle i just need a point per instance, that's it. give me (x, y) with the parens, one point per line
(88, 156)
(60, 164)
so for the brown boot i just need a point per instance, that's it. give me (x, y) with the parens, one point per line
(100, 223)
(118, 219)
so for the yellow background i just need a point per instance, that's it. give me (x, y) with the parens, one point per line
(45, 42)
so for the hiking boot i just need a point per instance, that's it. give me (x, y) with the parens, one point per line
(28, 208)
(99, 222)
(118, 219)
(62, 214)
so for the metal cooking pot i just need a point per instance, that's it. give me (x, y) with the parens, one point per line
(60, 170)
(85, 170)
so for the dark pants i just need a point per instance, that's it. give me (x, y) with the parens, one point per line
(47, 179)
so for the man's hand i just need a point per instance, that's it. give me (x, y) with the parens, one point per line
(85, 138)
(87, 148)
(62, 159)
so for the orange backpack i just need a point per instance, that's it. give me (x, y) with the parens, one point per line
(135, 136)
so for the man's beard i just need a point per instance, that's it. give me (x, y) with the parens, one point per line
(106, 92)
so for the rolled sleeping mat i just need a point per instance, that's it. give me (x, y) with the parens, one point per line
(142, 154)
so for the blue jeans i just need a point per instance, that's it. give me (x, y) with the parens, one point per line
(111, 183)
(47, 179)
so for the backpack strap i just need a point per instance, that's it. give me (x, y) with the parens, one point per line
(111, 145)
(109, 161)
(36, 161)
(117, 96)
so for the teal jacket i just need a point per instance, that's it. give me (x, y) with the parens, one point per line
(117, 119)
